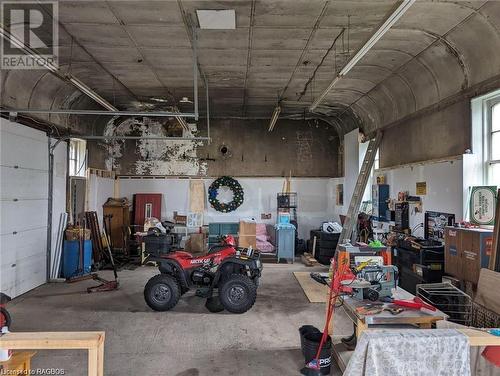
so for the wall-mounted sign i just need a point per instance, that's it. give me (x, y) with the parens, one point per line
(421, 189)
(482, 205)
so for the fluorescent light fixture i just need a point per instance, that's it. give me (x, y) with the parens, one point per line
(91, 93)
(224, 19)
(43, 62)
(274, 118)
(389, 22)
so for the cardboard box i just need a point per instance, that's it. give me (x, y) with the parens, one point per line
(246, 241)
(197, 243)
(246, 235)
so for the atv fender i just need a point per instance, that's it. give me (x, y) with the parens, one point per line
(255, 268)
(172, 267)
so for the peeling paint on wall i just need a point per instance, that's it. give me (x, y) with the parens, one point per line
(151, 157)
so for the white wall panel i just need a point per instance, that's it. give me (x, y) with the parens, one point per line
(23, 207)
(99, 190)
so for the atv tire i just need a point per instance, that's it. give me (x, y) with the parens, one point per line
(162, 292)
(238, 293)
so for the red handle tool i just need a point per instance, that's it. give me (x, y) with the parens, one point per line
(416, 303)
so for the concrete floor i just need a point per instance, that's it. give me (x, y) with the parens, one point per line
(187, 341)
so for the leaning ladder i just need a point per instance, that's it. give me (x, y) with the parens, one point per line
(359, 189)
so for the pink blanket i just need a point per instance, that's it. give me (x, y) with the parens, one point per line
(262, 243)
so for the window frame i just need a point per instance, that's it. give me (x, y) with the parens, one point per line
(77, 158)
(490, 162)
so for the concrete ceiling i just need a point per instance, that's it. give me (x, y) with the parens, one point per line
(131, 51)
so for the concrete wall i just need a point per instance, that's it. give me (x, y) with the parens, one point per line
(316, 199)
(444, 187)
(442, 133)
(304, 148)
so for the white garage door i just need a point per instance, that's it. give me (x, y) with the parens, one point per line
(23, 208)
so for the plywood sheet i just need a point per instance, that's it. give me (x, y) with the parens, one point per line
(315, 292)
(488, 292)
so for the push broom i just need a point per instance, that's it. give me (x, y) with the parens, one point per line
(313, 367)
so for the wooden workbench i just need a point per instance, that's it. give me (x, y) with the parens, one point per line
(91, 341)
(421, 318)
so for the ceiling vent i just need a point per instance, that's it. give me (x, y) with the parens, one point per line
(224, 19)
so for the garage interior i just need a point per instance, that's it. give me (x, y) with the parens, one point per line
(250, 187)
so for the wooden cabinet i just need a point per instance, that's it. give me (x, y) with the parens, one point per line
(466, 252)
(120, 212)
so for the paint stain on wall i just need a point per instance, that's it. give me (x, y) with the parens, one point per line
(151, 157)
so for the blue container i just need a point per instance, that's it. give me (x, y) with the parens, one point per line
(71, 258)
(285, 237)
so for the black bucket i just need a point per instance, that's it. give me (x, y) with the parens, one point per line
(310, 337)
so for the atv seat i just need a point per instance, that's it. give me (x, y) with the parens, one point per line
(216, 248)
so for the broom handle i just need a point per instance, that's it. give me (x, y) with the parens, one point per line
(331, 307)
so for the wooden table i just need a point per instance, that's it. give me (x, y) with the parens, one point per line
(422, 319)
(91, 341)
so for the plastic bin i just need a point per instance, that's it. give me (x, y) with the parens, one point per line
(285, 241)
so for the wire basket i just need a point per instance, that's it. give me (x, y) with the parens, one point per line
(287, 200)
(448, 299)
(483, 317)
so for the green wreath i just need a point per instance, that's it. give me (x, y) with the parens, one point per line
(213, 192)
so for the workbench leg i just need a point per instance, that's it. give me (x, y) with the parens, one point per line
(360, 327)
(100, 359)
(93, 362)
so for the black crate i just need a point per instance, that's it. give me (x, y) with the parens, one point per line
(159, 244)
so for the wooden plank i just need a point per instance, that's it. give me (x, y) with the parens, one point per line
(315, 292)
(51, 340)
(308, 260)
(488, 291)
(480, 337)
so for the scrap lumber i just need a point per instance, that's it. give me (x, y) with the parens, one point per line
(309, 260)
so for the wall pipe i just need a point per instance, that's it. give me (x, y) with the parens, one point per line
(208, 111)
(165, 138)
(195, 72)
(99, 112)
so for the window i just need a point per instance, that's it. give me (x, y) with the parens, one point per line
(77, 157)
(494, 142)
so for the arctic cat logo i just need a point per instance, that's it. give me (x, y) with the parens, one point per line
(205, 261)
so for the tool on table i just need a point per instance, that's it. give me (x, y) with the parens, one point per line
(370, 309)
(416, 303)
(374, 282)
(394, 310)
